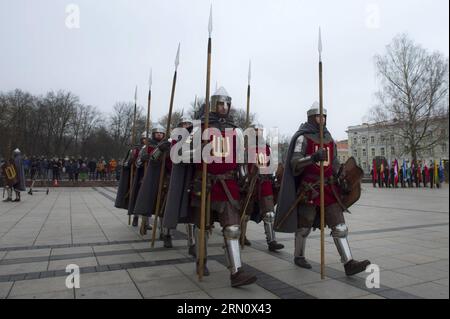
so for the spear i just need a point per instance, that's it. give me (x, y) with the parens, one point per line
(204, 164)
(133, 133)
(149, 101)
(247, 119)
(253, 176)
(322, 197)
(163, 163)
(147, 129)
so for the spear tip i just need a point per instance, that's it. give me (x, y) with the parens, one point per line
(320, 41)
(210, 23)
(150, 79)
(135, 94)
(249, 71)
(177, 59)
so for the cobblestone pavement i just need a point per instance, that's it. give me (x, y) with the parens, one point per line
(404, 231)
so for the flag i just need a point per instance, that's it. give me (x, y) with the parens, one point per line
(436, 173)
(375, 175)
(396, 172)
(441, 172)
(404, 170)
(419, 173)
(389, 165)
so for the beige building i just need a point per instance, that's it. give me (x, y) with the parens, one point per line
(367, 141)
(342, 151)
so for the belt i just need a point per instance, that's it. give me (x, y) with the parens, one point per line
(221, 179)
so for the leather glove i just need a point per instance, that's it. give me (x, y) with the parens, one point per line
(164, 146)
(320, 155)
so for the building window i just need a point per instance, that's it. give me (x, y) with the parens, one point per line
(355, 153)
(382, 151)
(364, 165)
(373, 152)
(363, 140)
(364, 153)
(372, 140)
(355, 140)
(392, 139)
(444, 148)
(392, 150)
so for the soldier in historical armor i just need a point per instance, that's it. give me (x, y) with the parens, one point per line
(171, 214)
(14, 174)
(124, 187)
(130, 180)
(261, 200)
(149, 179)
(301, 180)
(222, 186)
(9, 176)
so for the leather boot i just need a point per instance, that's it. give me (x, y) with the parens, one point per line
(135, 221)
(274, 246)
(354, 267)
(241, 278)
(167, 239)
(302, 262)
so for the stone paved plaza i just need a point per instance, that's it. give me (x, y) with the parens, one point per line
(404, 231)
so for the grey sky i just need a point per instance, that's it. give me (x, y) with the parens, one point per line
(119, 40)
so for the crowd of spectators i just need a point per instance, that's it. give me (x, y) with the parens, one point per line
(70, 168)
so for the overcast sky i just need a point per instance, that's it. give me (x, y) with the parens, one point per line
(118, 41)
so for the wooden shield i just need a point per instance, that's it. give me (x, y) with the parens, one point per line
(10, 174)
(351, 174)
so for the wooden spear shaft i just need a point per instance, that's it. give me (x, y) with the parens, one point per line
(133, 133)
(147, 126)
(247, 119)
(163, 163)
(322, 197)
(253, 180)
(204, 171)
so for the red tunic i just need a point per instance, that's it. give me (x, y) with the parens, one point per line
(311, 173)
(258, 157)
(152, 148)
(224, 161)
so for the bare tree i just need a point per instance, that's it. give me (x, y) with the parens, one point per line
(414, 91)
(86, 119)
(121, 124)
(175, 119)
(15, 119)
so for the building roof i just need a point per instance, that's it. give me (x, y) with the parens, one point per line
(342, 146)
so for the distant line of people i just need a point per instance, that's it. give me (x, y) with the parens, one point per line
(407, 175)
(71, 169)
